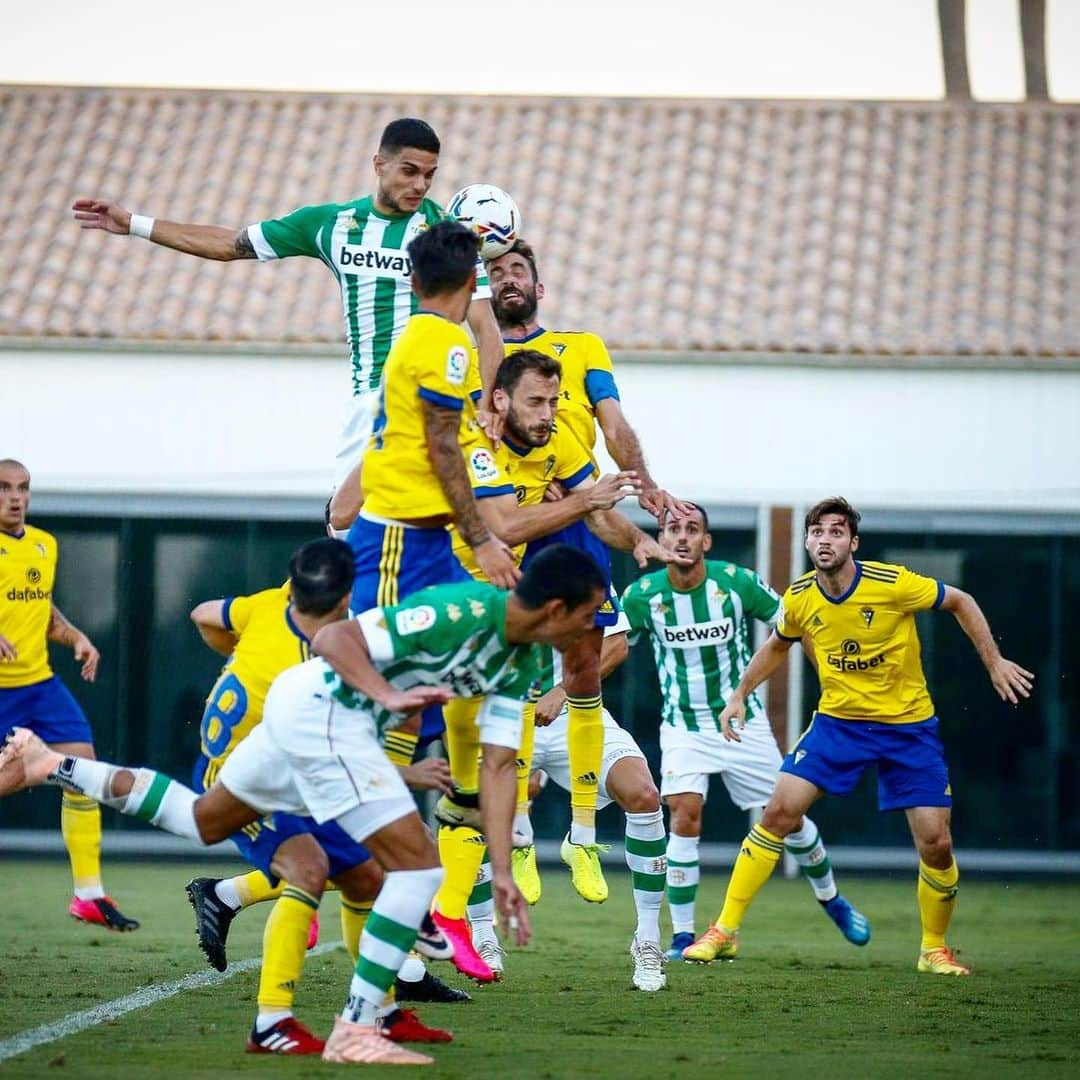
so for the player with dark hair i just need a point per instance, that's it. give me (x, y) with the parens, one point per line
(589, 396)
(364, 242)
(32, 696)
(317, 752)
(875, 709)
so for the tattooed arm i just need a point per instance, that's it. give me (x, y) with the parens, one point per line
(441, 427)
(65, 633)
(207, 241)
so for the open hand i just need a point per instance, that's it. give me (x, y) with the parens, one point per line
(99, 214)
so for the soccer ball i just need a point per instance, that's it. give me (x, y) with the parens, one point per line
(491, 214)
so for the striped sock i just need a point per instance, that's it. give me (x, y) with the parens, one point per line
(400, 907)
(648, 865)
(284, 945)
(481, 909)
(757, 859)
(250, 888)
(683, 875)
(809, 852)
(585, 741)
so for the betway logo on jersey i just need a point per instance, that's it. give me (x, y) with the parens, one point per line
(717, 632)
(28, 594)
(378, 262)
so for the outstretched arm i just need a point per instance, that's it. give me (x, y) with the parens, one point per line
(618, 531)
(66, 633)
(1009, 679)
(207, 241)
(625, 449)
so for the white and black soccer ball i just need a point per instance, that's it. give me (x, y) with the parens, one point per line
(491, 214)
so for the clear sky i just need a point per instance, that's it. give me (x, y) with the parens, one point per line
(722, 48)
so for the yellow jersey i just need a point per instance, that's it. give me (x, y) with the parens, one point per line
(587, 376)
(428, 362)
(268, 642)
(27, 576)
(524, 471)
(866, 642)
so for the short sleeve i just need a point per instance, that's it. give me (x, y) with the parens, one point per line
(918, 593)
(599, 374)
(759, 600)
(633, 607)
(485, 475)
(294, 234)
(395, 632)
(441, 368)
(575, 464)
(236, 613)
(787, 624)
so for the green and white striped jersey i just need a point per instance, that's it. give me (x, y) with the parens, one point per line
(367, 252)
(446, 635)
(700, 638)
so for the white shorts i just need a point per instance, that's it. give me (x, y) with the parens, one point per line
(748, 768)
(551, 752)
(312, 755)
(355, 433)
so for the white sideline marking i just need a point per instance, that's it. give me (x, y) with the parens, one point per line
(148, 995)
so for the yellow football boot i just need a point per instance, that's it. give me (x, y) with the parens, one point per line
(714, 944)
(585, 872)
(941, 961)
(526, 872)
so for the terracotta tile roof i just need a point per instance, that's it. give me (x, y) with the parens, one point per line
(693, 225)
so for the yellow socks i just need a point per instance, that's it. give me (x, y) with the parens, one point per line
(463, 742)
(353, 917)
(400, 746)
(80, 824)
(255, 887)
(937, 900)
(758, 856)
(524, 757)
(284, 945)
(461, 851)
(585, 735)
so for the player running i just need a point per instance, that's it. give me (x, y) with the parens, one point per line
(697, 614)
(263, 635)
(875, 709)
(33, 697)
(589, 395)
(364, 243)
(317, 752)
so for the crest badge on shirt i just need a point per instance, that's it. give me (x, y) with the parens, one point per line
(457, 365)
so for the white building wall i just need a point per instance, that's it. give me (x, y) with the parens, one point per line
(722, 430)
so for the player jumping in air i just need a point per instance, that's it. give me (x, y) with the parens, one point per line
(32, 696)
(363, 242)
(875, 709)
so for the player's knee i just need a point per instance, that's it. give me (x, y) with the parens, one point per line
(640, 796)
(212, 830)
(781, 819)
(685, 816)
(361, 883)
(935, 848)
(120, 783)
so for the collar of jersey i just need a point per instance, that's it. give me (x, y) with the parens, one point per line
(851, 587)
(687, 592)
(14, 536)
(528, 337)
(434, 314)
(521, 451)
(293, 627)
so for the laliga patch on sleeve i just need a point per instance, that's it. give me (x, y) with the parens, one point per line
(413, 620)
(457, 365)
(482, 464)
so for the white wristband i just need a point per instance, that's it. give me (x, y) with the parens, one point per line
(141, 225)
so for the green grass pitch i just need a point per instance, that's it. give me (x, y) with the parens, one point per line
(798, 1002)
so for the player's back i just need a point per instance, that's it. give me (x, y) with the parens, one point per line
(429, 362)
(27, 578)
(269, 641)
